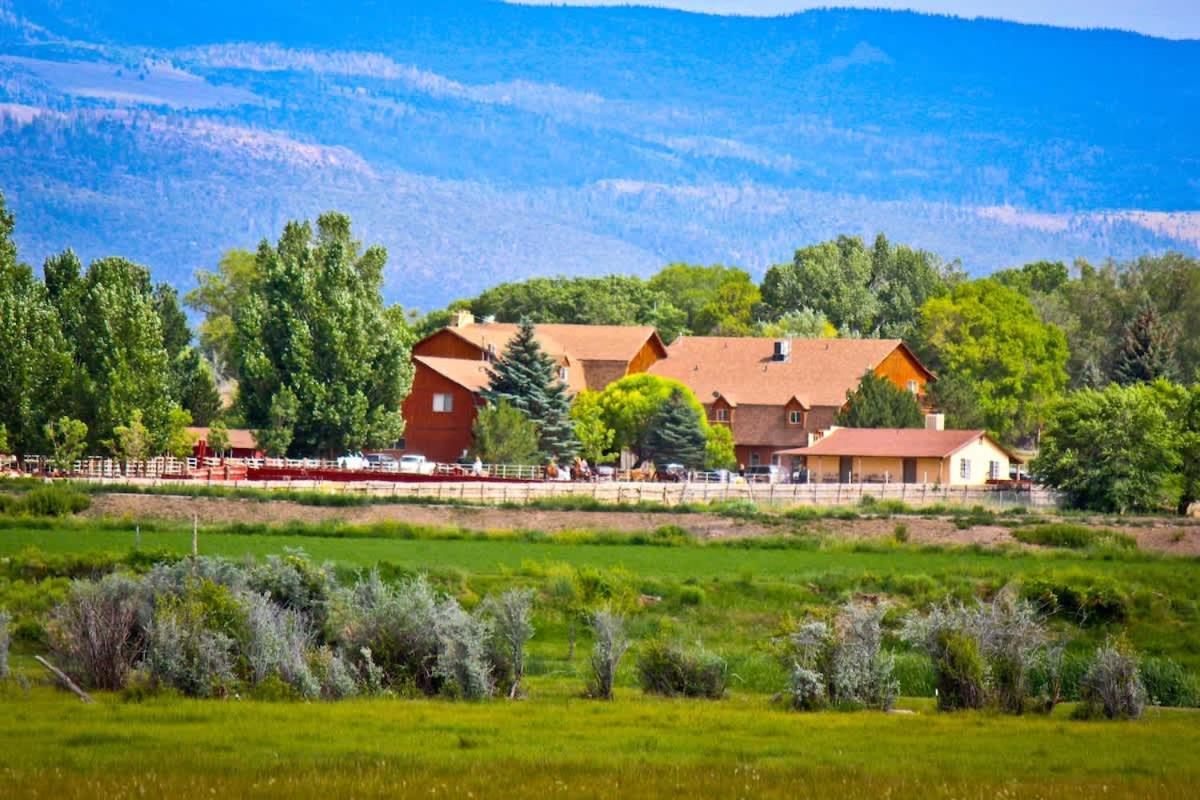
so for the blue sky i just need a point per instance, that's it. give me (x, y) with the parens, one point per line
(1175, 19)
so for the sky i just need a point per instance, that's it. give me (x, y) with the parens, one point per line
(1173, 19)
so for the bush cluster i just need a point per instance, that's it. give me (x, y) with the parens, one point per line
(45, 501)
(841, 664)
(1072, 536)
(667, 669)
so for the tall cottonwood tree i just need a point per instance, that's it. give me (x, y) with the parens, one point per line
(35, 362)
(321, 367)
(526, 378)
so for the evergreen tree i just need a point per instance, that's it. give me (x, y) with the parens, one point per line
(879, 403)
(526, 378)
(676, 434)
(1147, 349)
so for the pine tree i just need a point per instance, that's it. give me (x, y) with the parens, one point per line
(526, 378)
(1147, 349)
(1091, 376)
(676, 434)
(879, 403)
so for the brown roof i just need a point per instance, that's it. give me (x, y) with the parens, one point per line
(743, 370)
(894, 443)
(470, 374)
(574, 342)
(240, 438)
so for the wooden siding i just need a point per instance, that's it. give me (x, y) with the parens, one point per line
(447, 344)
(649, 352)
(900, 367)
(437, 436)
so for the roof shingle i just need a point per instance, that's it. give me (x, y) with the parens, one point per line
(893, 443)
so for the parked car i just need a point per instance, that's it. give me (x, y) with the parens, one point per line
(713, 476)
(416, 464)
(763, 473)
(605, 472)
(381, 462)
(673, 473)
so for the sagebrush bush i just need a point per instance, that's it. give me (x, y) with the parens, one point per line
(462, 663)
(611, 644)
(396, 625)
(1111, 687)
(276, 643)
(668, 669)
(296, 583)
(806, 689)
(184, 653)
(848, 657)
(333, 673)
(94, 633)
(511, 615)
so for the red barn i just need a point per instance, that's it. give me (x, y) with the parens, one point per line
(241, 444)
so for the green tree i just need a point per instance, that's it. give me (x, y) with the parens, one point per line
(504, 435)
(194, 386)
(217, 295)
(527, 379)
(903, 279)
(36, 368)
(832, 278)
(1113, 449)
(715, 299)
(676, 434)
(176, 334)
(1147, 349)
(595, 437)
(1186, 415)
(957, 398)
(802, 324)
(132, 442)
(313, 326)
(178, 442)
(68, 440)
(4, 449)
(878, 403)
(218, 437)
(991, 336)
(276, 437)
(1039, 277)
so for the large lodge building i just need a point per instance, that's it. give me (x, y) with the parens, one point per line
(774, 394)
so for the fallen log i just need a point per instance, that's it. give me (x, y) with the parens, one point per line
(64, 679)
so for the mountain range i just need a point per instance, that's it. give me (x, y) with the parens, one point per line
(481, 141)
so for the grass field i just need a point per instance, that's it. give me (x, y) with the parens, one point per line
(731, 596)
(556, 744)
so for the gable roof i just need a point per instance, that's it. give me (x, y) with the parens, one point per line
(818, 372)
(240, 438)
(895, 443)
(567, 342)
(469, 374)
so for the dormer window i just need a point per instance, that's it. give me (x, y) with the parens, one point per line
(564, 375)
(721, 414)
(795, 417)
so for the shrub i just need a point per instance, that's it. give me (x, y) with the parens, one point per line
(94, 633)
(296, 583)
(47, 501)
(958, 671)
(1112, 688)
(610, 646)
(512, 626)
(847, 656)
(462, 652)
(806, 689)
(333, 673)
(900, 533)
(276, 645)
(395, 625)
(1168, 684)
(691, 595)
(4, 641)
(1072, 536)
(184, 653)
(667, 669)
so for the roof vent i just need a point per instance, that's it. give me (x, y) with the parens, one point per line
(783, 349)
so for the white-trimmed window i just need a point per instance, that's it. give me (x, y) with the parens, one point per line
(443, 403)
(755, 459)
(721, 414)
(564, 375)
(795, 418)
(994, 470)
(964, 468)
(914, 387)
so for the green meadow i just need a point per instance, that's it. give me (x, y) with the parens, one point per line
(735, 598)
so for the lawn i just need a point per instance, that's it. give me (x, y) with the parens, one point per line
(557, 744)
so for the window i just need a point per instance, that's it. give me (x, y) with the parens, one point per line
(563, 375)
(964, 468)
(994, 470)
(914, 387)
(754, 459)
(795, 417)
(721, 414)
(443, 403)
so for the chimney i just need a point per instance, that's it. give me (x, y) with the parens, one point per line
(935, 422)
(461, 318)
(783, 349)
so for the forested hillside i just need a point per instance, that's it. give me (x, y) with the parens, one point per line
(483, 142)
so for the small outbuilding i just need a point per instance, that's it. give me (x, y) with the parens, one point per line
(241, 444)
(905, 455)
